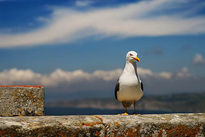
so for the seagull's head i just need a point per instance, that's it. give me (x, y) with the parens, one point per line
(132, 56)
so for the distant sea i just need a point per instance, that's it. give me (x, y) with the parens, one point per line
(92, 111)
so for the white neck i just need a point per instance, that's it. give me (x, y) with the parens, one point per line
(129, 74)
(130, 68)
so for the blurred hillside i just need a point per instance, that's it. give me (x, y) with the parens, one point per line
(187, 102)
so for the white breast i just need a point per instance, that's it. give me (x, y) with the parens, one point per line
(129, 84)
(129, 93)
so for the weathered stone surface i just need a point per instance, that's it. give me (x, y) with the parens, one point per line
(21, 100)
(156, 125)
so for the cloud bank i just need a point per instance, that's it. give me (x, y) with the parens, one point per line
(103, 82)
(144, 18)
(59, 76)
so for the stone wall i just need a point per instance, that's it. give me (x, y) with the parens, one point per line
(156, 125)
(25, 105)
(21, 100)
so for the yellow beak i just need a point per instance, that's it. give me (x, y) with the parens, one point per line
(137, 59)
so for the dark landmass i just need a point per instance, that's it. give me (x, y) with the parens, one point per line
(185, 102)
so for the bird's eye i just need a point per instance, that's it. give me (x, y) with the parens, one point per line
(131, 54)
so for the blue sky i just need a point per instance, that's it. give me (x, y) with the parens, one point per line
(71, 43)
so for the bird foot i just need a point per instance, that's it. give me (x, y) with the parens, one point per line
(124, 114)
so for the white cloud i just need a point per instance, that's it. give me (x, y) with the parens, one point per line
(148, 73)
(143, 18)
(78, 81)
(83, 3)
(107, 75)
(15, 76)
(183, 73)
(166, 75)
(198, 59)
(145, 72)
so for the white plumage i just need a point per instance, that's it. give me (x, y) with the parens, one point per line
(129, 88)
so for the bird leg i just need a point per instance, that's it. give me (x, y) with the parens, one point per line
(134, 104)
(125, 110)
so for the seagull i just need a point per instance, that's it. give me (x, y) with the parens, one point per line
(129, 87)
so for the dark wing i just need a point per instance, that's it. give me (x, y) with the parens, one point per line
(117, 89)
(142, 87)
